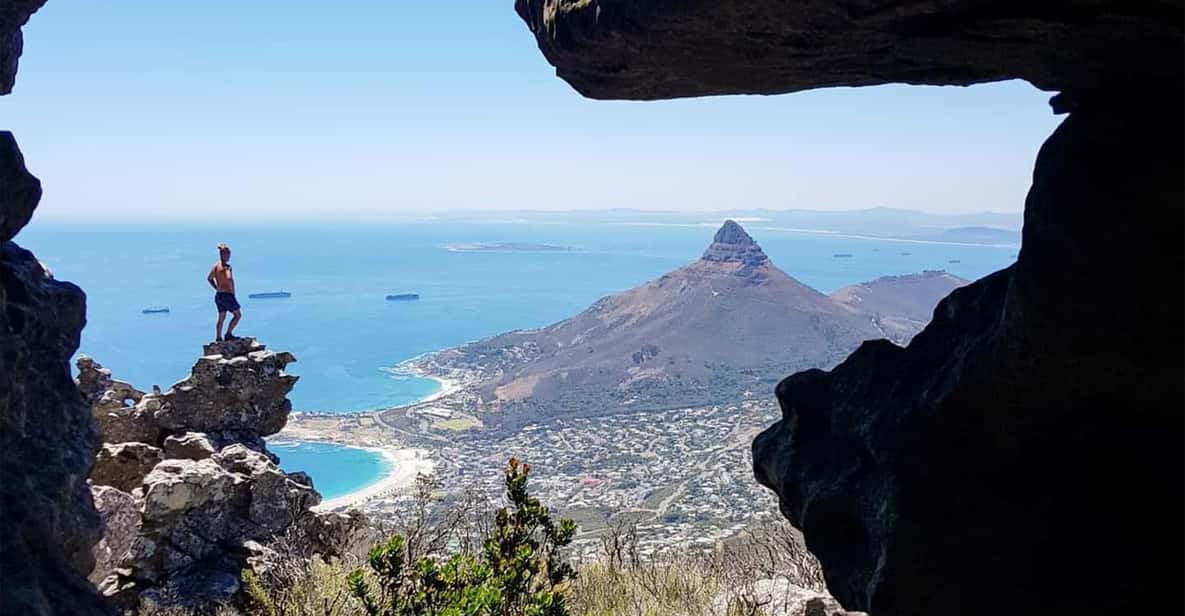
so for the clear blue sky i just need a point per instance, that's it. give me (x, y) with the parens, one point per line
(263, 107)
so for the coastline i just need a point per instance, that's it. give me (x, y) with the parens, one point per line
(406, 465)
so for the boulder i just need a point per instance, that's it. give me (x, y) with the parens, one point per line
(120, 512)
(237, 386)
(47, 436)
(124, 465)
(189, 446)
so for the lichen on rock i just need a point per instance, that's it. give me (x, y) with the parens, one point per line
(209, 497)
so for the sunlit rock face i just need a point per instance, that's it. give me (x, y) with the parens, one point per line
(196, 497)
(47, 438)
(654, 49)
(990, 466)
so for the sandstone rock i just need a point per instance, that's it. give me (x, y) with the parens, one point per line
(651, 49)
(218, 500)
(972, 472)
(93, 379)
(120, 512)
(177, 486)
(20, 191)
(243, 390)
(189, 446)
(124, 465)
(13, 15)
(47, 437)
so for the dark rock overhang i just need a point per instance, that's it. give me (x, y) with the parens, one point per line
(657, 49)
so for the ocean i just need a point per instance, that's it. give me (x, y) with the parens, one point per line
(348, 339)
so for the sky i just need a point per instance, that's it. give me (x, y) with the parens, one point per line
(287, 109)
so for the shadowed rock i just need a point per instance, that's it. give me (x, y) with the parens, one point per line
(652, 49)
(13, 15)
(928, 479)
(1022, 454)
(47, 438)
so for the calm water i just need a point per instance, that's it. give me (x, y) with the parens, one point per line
(347, 338)
(336, 470)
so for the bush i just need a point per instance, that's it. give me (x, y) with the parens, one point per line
(518, 572)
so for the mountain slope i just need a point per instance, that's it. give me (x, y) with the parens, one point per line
(899, 305)
(728, 323)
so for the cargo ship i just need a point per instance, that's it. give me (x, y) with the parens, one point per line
(403, 297)
(269, 294)
(155, 310)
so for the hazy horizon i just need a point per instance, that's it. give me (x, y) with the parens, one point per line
(299, 110)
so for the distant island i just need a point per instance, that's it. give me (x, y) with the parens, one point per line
(507, 247)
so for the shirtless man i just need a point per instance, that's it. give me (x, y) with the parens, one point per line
(223, 280)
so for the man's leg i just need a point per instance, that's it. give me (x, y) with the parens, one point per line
(230, 329)
(218, 328)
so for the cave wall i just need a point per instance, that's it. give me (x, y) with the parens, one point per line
(47, 436)
(1023, 454)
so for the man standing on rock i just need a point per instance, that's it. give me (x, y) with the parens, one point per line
(222, 279)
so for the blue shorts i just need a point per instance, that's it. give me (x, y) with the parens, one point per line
(226, 302)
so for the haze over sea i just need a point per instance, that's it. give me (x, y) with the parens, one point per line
(347, 338)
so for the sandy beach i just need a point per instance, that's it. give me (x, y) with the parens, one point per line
(406, 464)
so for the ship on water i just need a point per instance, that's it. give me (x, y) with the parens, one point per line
(269, 294)
(403, 297)
(155, 310)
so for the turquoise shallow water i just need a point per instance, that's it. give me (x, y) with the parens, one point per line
(336, 470)
(347, 338)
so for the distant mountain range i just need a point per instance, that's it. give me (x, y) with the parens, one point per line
(971, 228)
(724, 326)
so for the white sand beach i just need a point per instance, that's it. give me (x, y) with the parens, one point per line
(406, 464)
(448, 387)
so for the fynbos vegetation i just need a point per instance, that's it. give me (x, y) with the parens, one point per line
(518, 572)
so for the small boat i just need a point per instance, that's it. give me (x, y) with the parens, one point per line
(954, 261)
(842, 255)
(403, 297)
(269, 294)
(906, 254)
(155, 310)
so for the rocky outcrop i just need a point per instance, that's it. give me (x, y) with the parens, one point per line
(121, 525)
(976, 470)
(13, 15)
(208, 498)
(732, 244)
(1022, 454)
(652, 49)
(46, 433)
(124, 465)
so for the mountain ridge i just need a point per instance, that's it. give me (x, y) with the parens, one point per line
(722, 327)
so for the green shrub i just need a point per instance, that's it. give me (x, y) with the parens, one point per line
(518, 572)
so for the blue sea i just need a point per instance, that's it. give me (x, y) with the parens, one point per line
(347, 338)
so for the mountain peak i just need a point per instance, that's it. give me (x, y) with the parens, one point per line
(733, 245)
